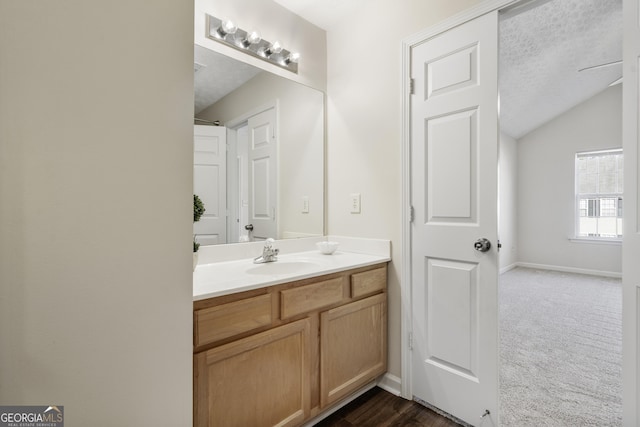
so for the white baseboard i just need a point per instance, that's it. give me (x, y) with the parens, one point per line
(507, 268)
(614, 274)
(390, 383)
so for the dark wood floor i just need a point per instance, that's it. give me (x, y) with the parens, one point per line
(378, 408)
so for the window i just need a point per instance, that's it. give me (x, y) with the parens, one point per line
(599, 194)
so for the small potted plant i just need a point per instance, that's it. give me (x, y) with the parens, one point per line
(198, 210)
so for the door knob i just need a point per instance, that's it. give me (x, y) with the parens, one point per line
(482, 245)
(248, 227)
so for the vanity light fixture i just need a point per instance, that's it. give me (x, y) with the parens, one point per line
(228, 33)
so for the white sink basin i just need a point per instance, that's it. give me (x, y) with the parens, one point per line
(282, 267)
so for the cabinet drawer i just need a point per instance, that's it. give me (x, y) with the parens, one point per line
(226, 320)
(311, 297)
(368, 282)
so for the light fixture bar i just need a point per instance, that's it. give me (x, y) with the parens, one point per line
(250, 42)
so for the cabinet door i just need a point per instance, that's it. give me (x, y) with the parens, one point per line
(261, 380)
(353, 347)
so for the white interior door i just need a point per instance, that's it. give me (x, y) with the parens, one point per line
(631, 240)
(454, 166)
(210, 182)
(263, 174)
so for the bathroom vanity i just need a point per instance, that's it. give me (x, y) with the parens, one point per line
(282, 353)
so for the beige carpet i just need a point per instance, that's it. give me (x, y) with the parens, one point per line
(561, 349)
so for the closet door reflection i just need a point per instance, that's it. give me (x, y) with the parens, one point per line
(210, 183)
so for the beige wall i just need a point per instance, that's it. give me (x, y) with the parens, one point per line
(300, 145)
(274, 22)
(364, 122)
(96, 103)
(546, 189)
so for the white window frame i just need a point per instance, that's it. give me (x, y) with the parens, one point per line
(579, 196)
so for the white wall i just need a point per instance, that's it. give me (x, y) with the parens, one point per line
(274, 22)
(546, 166)
(96, 103)
(300, 145)
(508, 199)
(364, 122)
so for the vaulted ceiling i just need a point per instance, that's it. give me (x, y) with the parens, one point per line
(216, 75)
(543, 44)
(542, 50)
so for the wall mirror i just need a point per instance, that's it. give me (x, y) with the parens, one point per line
(260, 173)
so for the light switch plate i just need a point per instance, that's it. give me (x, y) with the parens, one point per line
(355, 203)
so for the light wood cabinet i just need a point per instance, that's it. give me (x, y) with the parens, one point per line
(280, 355)
(354, 347)
(261, 380)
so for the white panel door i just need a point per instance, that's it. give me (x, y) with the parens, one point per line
(263, 174)
(210, 182)
(454, 167)
(631, 233)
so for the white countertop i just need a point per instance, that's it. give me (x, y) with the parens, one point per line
(212, 279)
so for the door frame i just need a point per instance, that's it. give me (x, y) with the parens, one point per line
(631, 238)
(630, 397)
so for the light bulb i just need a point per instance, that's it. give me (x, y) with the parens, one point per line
(251, 38)
(293, 57)
(254, 37)
(227, 27)
(275, 47)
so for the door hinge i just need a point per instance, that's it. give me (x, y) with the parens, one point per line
(410, 340)
(412, 86)
(499, 245)
(411, 214)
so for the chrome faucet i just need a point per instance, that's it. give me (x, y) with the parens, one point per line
(269, 253)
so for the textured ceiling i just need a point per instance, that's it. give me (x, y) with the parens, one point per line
(542, 47)
(541, 51)
(216, 75)
(543, 44)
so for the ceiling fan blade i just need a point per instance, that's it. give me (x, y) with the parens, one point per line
(608, 64)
